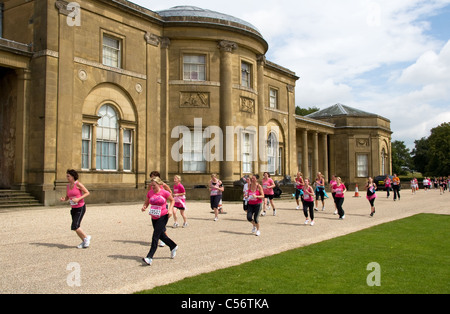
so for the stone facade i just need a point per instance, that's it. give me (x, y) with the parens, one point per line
(102, 87)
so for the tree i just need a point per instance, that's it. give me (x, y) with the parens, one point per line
(401, 158)
(439, 151)
(420, 155)
(304, 112)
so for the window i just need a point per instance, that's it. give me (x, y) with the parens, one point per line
(194, 68)
(111, 51)
(280, 161)
(193, 159)
(127, 150)
(247, 152)
(362, 166)
(107, 139)
(86, 146)
(273, 103)
(272, 150)
(246, 72)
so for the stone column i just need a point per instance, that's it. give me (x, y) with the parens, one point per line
(325, 156)
(226, 106)
(305, 154)
(315, 154)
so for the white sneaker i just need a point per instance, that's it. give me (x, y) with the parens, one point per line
(161, 244)
(335, 212)
(254, 230)
(312, 223)
(87, 242)
(147, 261)
(263, 213)
(173, 253)
(323, 208)
(216, 218)
(297, 208)
(175, 225)
(306, 221)
(258, 233)
(185, 225)
(274, 212)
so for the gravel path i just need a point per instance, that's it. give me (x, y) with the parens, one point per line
(38, 254)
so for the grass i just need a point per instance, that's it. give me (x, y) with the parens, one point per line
(413, 254)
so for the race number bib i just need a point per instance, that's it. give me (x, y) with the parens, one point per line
(155, 211)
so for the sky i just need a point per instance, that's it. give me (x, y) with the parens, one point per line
(391, 58)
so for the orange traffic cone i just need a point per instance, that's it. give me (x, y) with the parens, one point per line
(356, 191)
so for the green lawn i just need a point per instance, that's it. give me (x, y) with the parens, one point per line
(413, 253)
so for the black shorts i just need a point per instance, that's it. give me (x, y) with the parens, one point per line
(270, 197)
(77, 217)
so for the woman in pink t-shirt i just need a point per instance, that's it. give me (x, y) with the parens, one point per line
(339, 190)
(179, 195)
(371, 188)
(308, 202)
(255, 198)
(268, 186)
(76, 193)
(157, 199)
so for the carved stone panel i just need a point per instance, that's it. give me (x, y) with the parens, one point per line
(194, 100)
(247, 105)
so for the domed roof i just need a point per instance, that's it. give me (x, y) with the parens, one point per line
(199, 15)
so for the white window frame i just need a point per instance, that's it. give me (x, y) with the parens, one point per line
(194, 69)
(362, 165)
(105, 137)
(109, 50)
(88, 141)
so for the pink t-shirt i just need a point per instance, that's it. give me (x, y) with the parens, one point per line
(299, 184)
(306, 196)
(339, 190)
(75, 193)
(252, 200)
(157, 203)
(180, 201)
(266, 184)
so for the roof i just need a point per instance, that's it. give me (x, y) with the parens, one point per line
(340, 110)
(195, 14)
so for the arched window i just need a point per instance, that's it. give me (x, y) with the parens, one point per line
(107, 139)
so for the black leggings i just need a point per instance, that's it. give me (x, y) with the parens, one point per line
(310, 206)
(253, 212)
(339, 201)
(159, 233)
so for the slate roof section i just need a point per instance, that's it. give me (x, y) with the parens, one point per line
(340, 110)
(196, 14)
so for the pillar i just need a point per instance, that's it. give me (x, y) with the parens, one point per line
(305, 155)
(226, 107)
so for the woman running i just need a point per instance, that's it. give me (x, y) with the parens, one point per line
(371, 188)
(308, 202)
(320, 189)
(299, 184)
(157, 198)
(76, 193)
(216, 188)
(179, 195)
(340, 190)
(255, 199)
(268, 186)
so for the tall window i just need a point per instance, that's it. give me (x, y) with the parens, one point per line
(111, 51)
(193, 159)
(247, 152)
(194, 68)
(362, 165)
(246, 73)
(86, 146)
(127, 150)
(107, 139)
(272, 150)
(273, 98)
